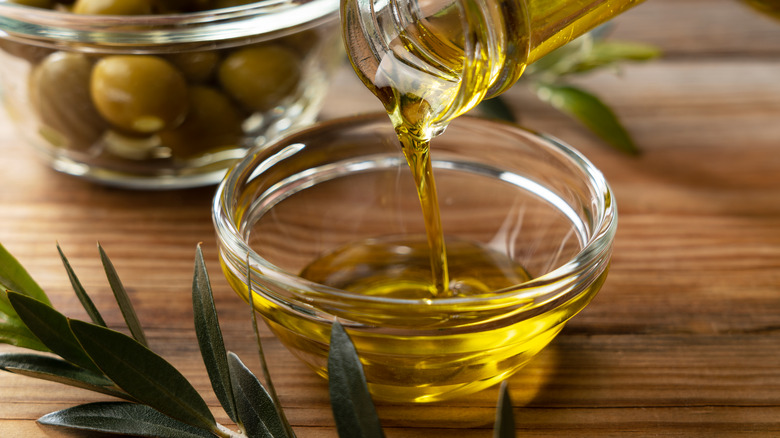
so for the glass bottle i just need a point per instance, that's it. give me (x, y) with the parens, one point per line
(429, 61)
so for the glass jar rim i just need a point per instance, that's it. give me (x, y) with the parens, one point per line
(539, 290)
(49, 27)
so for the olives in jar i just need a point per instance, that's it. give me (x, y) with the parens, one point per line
(141, 94)
(160, 93)
(260, 76)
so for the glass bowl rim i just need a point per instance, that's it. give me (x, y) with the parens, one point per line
(544, 287)
(29, 24)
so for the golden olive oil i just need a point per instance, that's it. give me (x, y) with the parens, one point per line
(428, 351)
(400, 267)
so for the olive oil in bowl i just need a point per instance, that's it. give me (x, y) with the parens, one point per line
(331, 225)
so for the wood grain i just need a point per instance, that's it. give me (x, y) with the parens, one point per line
(682, 341)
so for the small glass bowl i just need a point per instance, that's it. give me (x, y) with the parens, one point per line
(532, 201)
(164, 101)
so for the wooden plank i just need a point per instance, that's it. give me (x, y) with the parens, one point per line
(700, 28)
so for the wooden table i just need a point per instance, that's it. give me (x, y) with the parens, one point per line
(683, 340)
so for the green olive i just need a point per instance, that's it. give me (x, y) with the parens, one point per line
(179, 6)
(113, 7)
(219, 4)
(45, 4)
(197, 67)
(139, 93)
(59, 93)
(261, 76)
(213, 122)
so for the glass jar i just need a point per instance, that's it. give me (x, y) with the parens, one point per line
(313, 215)
(163, 101)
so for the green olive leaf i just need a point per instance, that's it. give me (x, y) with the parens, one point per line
(256, 408)
(604, 53)
(212, 345)
(122, 418)
(591, 112)
(60, 371)
(86, 302)
(144, 375)
(52, 328)
(353, 408)
(131, 319)
(505, 420)
(14, 277)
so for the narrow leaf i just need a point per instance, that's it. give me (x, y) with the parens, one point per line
(144, 375)
(353, 408)
(86, 302)
(607, 52)
(14, 332)
(122, 418)
(131, 319)
(14, 277)
(505, 420)
(263, 363)
(57, 370)
(212, 346)
(590, 111)
(52, 328)
(255, 407)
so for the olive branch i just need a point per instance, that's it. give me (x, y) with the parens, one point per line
(155, 399)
